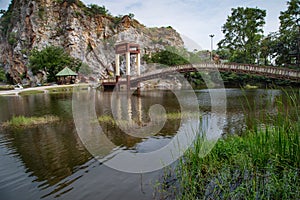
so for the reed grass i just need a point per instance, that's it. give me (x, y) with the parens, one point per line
(263, 163)
(22, 121)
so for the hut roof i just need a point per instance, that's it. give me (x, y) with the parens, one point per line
(66, 72)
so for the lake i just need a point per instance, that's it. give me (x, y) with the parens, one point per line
(52, 160)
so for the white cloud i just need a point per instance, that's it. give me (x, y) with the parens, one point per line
(195, 19)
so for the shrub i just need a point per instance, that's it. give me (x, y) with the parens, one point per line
(94, 9)
(52, 59)
(2, 75)
(12, 39)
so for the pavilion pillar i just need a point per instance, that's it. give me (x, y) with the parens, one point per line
(138, 64)
(128, 69)
(117, 62)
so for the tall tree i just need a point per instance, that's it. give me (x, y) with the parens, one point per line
(269, 48)
(52, 59)
(243, 32)
(289, 40)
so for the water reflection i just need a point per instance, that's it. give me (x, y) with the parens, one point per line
(50, 160)
(36, 105)
(49, 153)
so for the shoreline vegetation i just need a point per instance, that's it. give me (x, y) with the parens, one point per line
(6, 87)
(44, 89)
(262, 163)
(25, 122)
(169, 116)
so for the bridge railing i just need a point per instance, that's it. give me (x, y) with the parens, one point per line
(267, 70)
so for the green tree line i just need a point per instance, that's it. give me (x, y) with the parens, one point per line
(244, 41)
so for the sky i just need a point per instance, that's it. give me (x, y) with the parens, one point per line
(195, 20)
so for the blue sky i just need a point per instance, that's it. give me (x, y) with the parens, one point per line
(195, 19)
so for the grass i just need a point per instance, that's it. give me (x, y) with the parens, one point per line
(107, 119)
(7, 87)
(61, 89)
(22, 121)
(67, 89)
(169, 116)
(31, 92)
(263, 163)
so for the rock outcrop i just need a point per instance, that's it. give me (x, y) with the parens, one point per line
(85, 35)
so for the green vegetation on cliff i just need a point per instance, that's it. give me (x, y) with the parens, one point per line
(2, 75)
(173, 56)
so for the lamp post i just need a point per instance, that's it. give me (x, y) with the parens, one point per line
(211, 46)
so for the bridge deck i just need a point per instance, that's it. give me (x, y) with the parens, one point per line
(270, 72)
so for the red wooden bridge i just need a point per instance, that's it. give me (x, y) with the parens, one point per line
(266, 71)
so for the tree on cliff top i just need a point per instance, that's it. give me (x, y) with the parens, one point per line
(169, 57)
(243, 33)
(52, 59)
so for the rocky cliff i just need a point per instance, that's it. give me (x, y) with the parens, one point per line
(84, 34)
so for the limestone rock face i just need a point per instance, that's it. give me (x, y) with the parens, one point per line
(89, 37)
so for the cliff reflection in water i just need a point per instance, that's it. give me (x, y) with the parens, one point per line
(50, 153)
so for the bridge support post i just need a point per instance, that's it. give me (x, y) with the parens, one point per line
(128, 83)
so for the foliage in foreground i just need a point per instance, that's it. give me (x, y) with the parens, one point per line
(264, 163)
